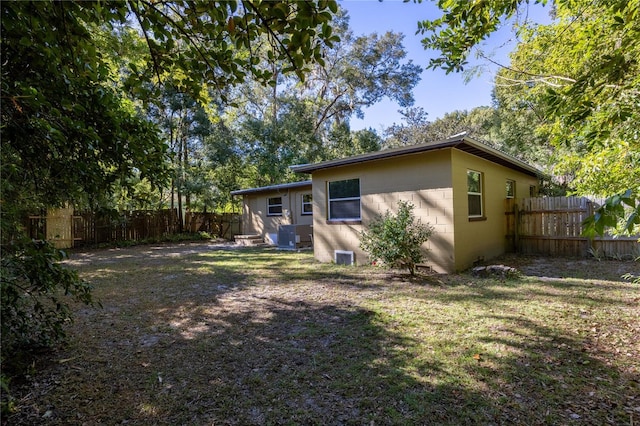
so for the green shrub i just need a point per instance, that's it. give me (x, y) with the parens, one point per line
(34, 291)
(396, 240)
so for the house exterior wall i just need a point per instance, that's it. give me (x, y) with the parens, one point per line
(255, 219)
(423, 179)
(486, 237)
(435, 182)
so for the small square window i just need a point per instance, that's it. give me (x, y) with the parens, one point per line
(307, 204)
(511, 189)
(274, 206)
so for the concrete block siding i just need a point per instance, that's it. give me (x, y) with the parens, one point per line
(435, 182)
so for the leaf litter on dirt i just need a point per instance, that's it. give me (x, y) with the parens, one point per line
(202, 334)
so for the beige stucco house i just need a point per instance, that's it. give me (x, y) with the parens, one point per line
(266, 209)
(458, 185)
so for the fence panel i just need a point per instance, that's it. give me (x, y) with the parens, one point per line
(224, 225)
(66, 228)
(55, 226)
(552, 226)
(91, 229)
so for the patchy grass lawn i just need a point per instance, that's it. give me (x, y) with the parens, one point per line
(197, 335)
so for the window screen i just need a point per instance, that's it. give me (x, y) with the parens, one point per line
(274, 206)
(307, 204)
(344, 199)
(474, 193)
(511, 189)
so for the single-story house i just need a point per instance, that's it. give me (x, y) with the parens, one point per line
(458, 185)
(278, 212)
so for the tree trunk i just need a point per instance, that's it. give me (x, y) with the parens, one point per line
(180, 216)
(173, 211)
(185, 165)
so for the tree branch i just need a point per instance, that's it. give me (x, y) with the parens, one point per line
(517, 71)
(516, 82)
(325, 112)
(264, 21)
(189, 38)
(156, 66)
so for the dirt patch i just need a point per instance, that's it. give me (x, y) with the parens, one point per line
(204, 333)
(581, 268)
(154, 252)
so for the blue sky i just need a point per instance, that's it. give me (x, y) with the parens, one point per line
(437, 92)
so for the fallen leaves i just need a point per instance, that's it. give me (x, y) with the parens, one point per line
(291, 341)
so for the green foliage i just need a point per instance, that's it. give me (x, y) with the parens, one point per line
(462, 26)
(480, 123)
(358, 72)
(298, 122)
(632, 278)
(396, 240)
(620, 211)
(578, 98)
(571, 90)
(7, 401)
(35, 292)
(70, 133)
(217, 43)
(366, 69)
(365, 140)
(66, 131)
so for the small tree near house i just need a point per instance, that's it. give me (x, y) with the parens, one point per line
(396, 240)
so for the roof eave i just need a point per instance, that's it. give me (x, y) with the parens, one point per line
(272, 188)
(457, 142)
(372, 156)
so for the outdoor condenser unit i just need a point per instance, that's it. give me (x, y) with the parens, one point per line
(343, 257)
(287, 237)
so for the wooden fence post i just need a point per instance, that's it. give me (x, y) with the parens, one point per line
(589, 239)
(516, 227)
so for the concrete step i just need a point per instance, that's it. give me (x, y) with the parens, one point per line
(249, 240)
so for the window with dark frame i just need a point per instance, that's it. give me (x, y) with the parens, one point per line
(474, 193)
(344, 199)
(274, 206)
(511, 188)
(307, 204)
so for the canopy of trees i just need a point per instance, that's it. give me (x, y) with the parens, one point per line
(219, 146)
(68, 129)
(96, 97)
(572, 89)
(125, 105)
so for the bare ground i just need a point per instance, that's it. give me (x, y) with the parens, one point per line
(209, 333)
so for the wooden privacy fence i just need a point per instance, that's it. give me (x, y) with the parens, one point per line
(224, 225)
(137, 225)
(68, 228)
(552, 226)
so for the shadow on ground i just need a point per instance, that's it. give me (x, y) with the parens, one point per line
(253, 336)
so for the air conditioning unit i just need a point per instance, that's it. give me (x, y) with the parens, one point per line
(287, 237)
(343, 257)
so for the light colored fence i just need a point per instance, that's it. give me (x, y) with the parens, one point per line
(552, 226)
(55, 227)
